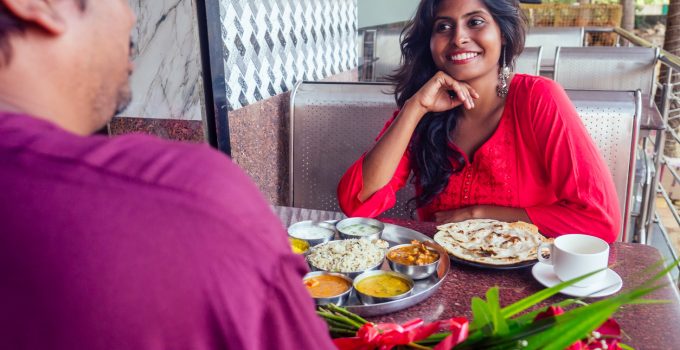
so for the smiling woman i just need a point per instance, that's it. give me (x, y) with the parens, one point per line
(481, 143)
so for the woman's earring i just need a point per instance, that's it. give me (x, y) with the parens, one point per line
(502, 88)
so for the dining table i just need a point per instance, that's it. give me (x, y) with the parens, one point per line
(645, 326)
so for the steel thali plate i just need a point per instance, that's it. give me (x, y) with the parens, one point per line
(422, 290)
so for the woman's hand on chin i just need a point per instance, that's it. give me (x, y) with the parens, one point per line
(442, 93)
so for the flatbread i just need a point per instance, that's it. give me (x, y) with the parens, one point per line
(490, 241)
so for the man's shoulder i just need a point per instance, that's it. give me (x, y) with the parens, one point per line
(189, 167)
(135, 159)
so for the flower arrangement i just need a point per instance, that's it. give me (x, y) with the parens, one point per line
(571, 324)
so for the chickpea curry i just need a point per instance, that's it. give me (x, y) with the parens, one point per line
(415, 254)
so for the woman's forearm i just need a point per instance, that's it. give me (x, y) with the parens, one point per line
(483, 212)
(382, 160)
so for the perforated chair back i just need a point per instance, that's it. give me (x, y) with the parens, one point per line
(612, 119)
(606, 68)
(552, 37)
(529, 62)
(332, 125)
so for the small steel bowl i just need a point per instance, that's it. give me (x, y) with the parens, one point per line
(350, 274)
(299, 244)
(343, 224)
(339, 299)
(297, 228)
(370, 299)
(417, 272)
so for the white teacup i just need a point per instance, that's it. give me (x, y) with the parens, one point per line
(575, 255)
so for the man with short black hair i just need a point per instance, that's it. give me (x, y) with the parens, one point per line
(129, 242)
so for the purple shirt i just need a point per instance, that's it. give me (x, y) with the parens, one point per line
(138, 243)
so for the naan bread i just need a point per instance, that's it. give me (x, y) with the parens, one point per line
(490, 241)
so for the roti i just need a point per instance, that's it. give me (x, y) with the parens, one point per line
(490, 241)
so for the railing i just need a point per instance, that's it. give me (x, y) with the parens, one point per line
(668, 102)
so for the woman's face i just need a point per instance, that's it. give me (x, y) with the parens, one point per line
(466, 41)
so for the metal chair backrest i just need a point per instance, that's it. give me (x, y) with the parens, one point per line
(332, 125)
(529, 62)
(612, 119)
(606, 68)
(387, 53)
(552, 37)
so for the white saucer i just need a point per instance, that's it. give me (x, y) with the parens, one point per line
(611, 284)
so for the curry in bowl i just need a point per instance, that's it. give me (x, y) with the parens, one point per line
(383, 286)
(326, 286)
(415, 254)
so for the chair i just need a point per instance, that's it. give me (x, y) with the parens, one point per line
(612, 119)
(332, 124)
(620, 68)
(529, 61)
(552, 37)
(607, 68)
(387, 52)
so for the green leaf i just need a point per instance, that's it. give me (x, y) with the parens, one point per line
(538, 297)
(563, 330)
(492, 298)
(529, 317)
(500, 326)
(481, 316)
(575, 324)
(569, 328)
(626, 347)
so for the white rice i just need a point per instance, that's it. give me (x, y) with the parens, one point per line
(348, 255)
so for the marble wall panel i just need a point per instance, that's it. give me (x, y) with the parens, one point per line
(167, 81)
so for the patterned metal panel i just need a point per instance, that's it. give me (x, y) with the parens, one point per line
(269, 45)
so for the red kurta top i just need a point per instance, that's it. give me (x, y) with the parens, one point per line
(540, 158)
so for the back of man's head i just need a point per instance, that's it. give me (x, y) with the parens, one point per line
(13, 25)
(66, 61)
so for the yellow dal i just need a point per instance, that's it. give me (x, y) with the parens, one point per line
(383, 286)
(299, 246)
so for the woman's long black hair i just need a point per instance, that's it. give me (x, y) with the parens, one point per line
(430, 151)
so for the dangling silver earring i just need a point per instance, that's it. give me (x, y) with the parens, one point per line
(503, 75)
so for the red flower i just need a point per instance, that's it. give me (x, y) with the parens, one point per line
(459, 327)
(606, 336)
(385, 336)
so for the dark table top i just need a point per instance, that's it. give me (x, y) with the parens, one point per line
(648, 326)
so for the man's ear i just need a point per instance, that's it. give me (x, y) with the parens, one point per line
(40, 13)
